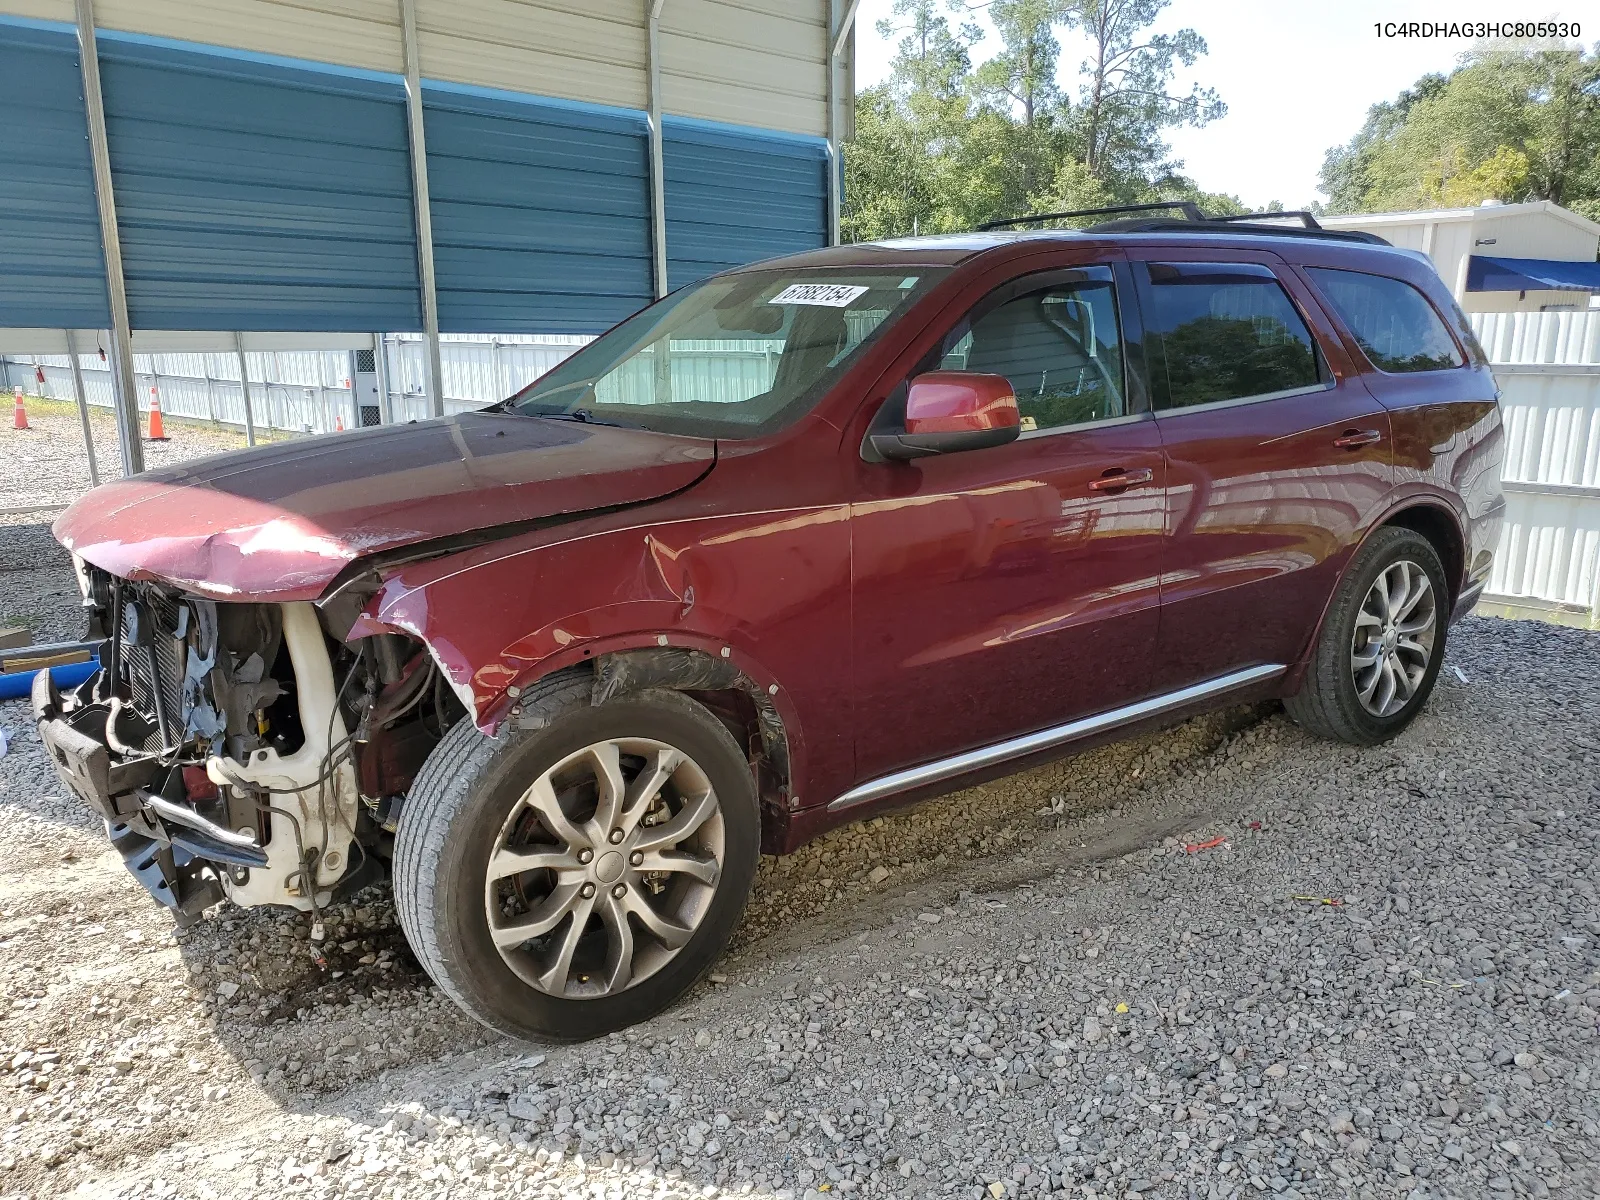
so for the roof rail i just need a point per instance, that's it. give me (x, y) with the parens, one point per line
(1234, 229)
(1308, 220)
(1188, 208)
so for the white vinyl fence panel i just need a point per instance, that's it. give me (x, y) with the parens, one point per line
(303, 394)
(306, 391)
(1548, 368)
(309, 391)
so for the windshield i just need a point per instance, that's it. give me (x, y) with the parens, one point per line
(733, 357)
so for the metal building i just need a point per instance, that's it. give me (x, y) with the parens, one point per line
(182, 171)
(1533, 257)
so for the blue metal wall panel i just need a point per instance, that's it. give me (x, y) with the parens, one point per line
(540, 212)
(51, 270)
(737, 195)
(255, 195)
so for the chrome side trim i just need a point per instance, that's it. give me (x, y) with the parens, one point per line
(1045, 739)
(1311, 389)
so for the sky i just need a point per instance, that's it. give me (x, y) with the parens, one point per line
(1297, 77)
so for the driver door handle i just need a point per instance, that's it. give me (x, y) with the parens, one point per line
(1116, 479)
(1352, 438)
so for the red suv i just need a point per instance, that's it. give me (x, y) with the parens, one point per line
(796, 545)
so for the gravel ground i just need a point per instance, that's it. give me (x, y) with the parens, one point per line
(46, 463)
(1384, 981)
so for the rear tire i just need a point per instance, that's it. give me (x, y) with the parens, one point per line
(569, 829)
(1381, 646)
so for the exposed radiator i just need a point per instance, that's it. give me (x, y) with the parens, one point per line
(154, 671)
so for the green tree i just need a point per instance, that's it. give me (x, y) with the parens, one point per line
(1347, 170)
(1127, 102)
(1025, 69)
(1508, 124)
(897, 169)
(943, 145)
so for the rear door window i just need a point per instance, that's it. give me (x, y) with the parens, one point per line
(1225, 331)
(1060, 346)
(1393, 322)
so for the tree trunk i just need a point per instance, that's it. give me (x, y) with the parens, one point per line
(1091, 158)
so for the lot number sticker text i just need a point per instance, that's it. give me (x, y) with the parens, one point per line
(828, 295)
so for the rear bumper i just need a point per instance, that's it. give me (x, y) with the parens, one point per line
(174, 851)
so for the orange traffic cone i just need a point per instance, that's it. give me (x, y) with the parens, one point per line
(19, 415)
(338, 423)
(157, 433)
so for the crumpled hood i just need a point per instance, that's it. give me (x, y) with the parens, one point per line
(280, 522)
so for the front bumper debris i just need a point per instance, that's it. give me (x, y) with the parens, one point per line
(173, 850)
(77, 746)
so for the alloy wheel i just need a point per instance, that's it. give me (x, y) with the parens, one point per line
(1396, 630)
(604, 868)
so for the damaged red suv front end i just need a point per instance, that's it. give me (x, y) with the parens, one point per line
(239, 741)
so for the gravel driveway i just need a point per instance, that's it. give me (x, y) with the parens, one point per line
(47, 465)
(1383, 981)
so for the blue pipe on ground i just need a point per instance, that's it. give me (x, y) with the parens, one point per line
(19, 684)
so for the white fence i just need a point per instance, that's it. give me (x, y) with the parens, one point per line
(306, 391)
(1548, 367)
(309, 391)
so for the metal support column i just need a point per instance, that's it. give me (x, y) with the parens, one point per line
(658, 170)
(124, 396)
(840, 33)
(380, 367)
(82, 398)
(419, 189)
(244, 389)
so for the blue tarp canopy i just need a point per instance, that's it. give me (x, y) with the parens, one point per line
(1531, 275)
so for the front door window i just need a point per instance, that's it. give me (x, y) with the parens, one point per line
(1060, 347)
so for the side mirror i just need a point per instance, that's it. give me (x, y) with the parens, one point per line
(948, 411)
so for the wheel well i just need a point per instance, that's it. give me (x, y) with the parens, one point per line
(1439, 528)
(731, 696)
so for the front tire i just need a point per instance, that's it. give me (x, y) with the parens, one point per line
(579, 873)
(1381, 645)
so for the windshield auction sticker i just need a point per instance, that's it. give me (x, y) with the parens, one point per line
(828, 295)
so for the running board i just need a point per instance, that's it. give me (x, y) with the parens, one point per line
(1046, 739)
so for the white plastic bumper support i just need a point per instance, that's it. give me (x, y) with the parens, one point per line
(327, 815)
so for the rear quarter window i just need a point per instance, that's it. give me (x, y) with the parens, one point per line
(1392, 321)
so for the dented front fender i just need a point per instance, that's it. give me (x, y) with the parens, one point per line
(766, 589)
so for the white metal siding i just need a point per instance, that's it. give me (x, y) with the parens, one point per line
(1534, 235)
(40, 10)
(1452, 243)
(352, 33)
(1569, 338)
(1552, 423)
(747, 62)
(1550, 551)
(585, 50)
(1548, 368)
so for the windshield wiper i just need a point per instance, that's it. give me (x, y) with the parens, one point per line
(582, 416)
